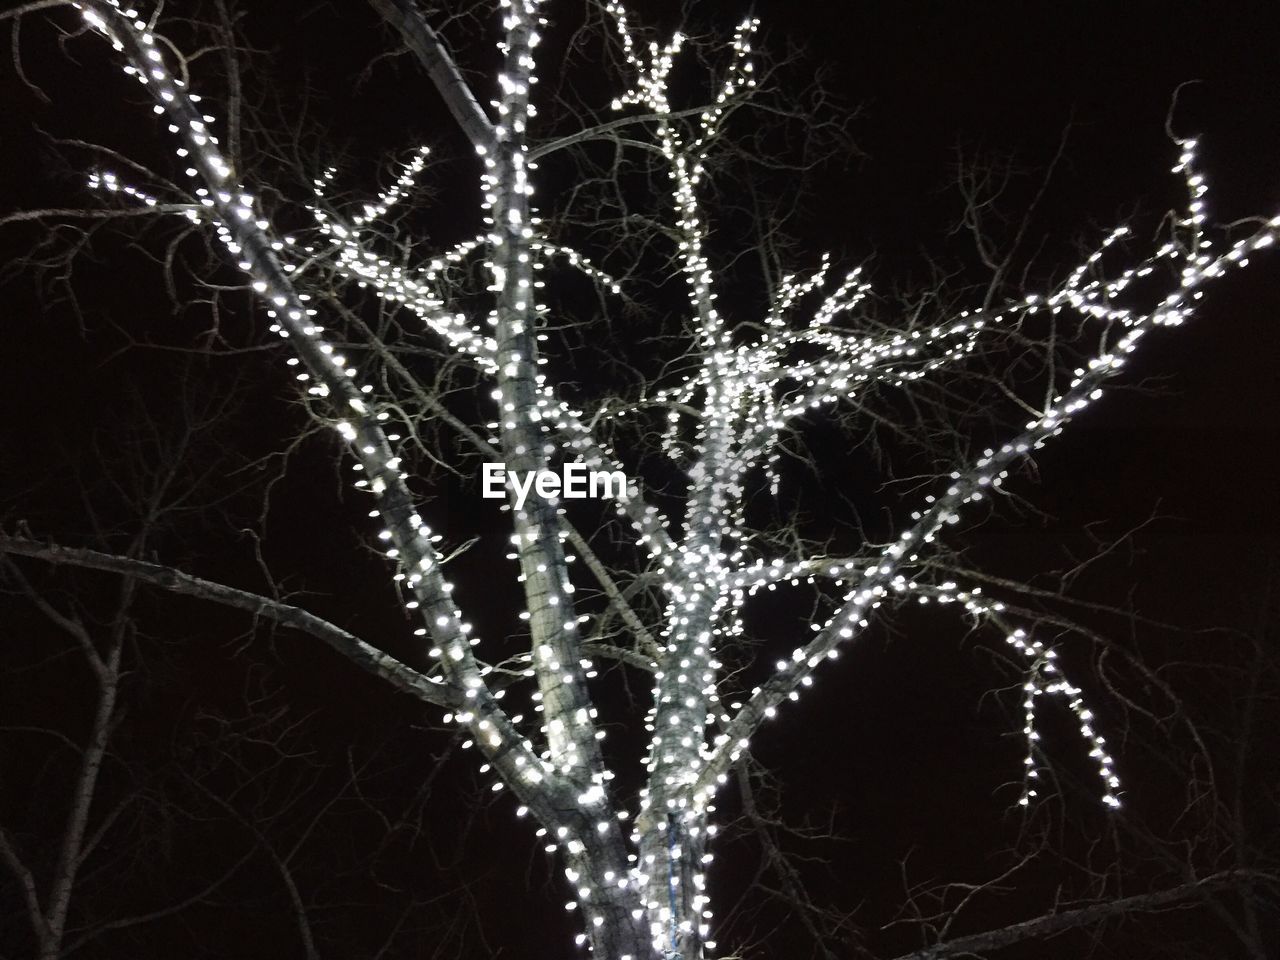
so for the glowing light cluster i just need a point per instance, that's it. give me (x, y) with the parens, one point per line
(639, 875)
(409, 541)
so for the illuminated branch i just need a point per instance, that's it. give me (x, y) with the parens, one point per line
(245, 236)
(596, 850)
(1043, 673)
(671, 829)
(350, 259)
(977, 481)
(568, 727)
(1044, 676)
(731, 396)
(415, 290)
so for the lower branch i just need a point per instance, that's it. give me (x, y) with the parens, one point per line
(1051, 925)
(364, 655)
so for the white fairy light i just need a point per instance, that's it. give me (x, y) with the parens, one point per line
(648, 899)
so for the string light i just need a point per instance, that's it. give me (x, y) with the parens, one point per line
(639, 877)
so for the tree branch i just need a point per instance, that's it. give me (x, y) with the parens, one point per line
(91, 214)
(360, 426)
(28, 883)
(643, 637)
(444, 73)
(33, 7)
(367, 657)
(1053, 924)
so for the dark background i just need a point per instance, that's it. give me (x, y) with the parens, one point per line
(899, 747)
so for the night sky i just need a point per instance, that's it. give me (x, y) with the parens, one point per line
(237, 738)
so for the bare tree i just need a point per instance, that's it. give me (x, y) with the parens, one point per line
(492, 348)
(70, 837)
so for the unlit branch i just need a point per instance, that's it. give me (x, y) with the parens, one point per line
(367, 657)
(1050, 925)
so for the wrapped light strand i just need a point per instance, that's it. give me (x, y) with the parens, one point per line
(246, 237)
(648, 897)
(975, 482)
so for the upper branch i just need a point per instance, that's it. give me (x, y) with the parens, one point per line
(444, 73)
(979, 479)
(33, 7)
(246, 236)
